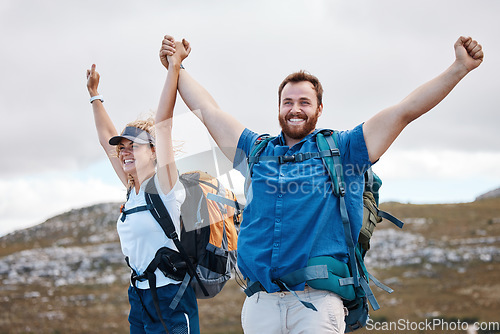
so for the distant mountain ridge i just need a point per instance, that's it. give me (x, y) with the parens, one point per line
(490, 194)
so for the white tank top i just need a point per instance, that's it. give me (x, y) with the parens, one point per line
(140, 234)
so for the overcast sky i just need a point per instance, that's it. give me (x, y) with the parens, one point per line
(368, 54)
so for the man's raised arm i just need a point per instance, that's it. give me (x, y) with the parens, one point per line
(381, 130)
(223, 127)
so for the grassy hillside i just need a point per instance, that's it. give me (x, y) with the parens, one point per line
(466, 290)
(451, 221)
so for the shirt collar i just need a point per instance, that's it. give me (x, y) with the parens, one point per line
(281, 137)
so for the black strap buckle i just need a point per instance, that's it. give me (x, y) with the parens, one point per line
(135, 277)
(280, 284)
(286, 158)
(299, 157)
(173, 236)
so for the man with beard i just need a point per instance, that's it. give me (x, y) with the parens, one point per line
(287, 220)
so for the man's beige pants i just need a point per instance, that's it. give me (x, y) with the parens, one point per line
(282, 312)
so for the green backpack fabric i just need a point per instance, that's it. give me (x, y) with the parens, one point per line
(349, 280)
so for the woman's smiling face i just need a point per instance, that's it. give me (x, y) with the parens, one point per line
(135, 157)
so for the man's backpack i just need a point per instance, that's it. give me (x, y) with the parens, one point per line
(210, 218)
(351, 280)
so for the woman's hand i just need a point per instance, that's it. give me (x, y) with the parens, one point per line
(92, 81)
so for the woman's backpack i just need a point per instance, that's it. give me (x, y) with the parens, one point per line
(210, 218)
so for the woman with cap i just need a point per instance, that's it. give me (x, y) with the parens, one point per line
(144, 151)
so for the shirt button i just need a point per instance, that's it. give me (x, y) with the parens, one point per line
(280, 195)
(278, 220)
(281, 174)
(276, 244)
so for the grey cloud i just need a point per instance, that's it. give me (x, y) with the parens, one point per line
(368, 55)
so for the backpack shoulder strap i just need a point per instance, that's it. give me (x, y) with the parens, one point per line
(327, 140)
(257, 149)
(254, 155)
(370, 181)
(159, 211)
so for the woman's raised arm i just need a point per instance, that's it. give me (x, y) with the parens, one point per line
(105, 127)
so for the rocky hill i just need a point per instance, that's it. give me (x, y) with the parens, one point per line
(490, 194)
(62, 275)
(77, 247)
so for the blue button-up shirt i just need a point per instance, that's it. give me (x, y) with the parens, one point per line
(291, 213)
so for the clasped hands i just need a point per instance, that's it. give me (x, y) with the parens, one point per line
(173, 52)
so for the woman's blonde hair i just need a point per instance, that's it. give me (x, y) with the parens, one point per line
(146, 124)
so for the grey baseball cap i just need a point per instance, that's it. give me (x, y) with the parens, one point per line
(134, 134)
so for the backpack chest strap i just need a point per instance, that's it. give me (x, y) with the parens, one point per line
(134, 210)
(299, 157)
